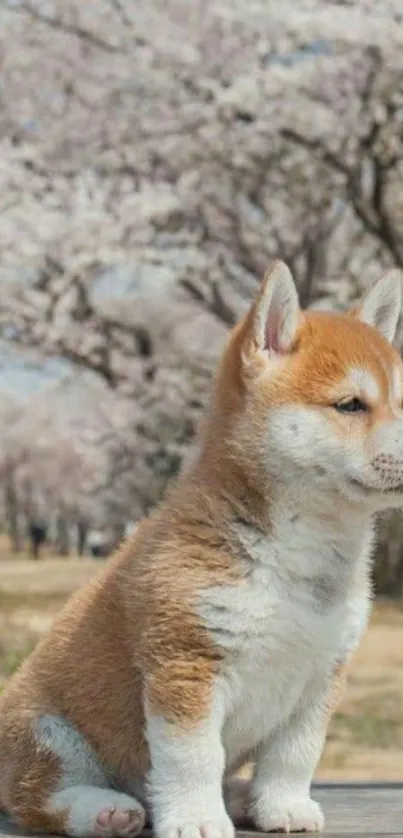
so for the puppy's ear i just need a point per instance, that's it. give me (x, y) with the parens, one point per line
(381, 305)
(274, 317)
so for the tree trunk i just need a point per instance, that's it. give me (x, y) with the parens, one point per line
(388, 569)
(82, 533)
(63, 536)
(12, 512)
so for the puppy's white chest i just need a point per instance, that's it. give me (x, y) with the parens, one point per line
(269, 671)
(263, 688)
(279, 631)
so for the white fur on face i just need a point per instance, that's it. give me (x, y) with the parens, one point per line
(385, 470)
(302, 440)
(364, 384)
(303, 446)
(396, 384)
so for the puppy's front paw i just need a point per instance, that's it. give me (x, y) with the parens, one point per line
(275, 814)
(222, 828)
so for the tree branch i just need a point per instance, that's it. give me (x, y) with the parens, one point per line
(318, 148)
(62, 26)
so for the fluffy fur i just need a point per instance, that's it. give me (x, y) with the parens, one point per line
(221, 630)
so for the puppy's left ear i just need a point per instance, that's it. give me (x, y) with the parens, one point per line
(274, 316)
(381, 305)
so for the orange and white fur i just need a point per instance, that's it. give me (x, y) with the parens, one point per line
(216, 633)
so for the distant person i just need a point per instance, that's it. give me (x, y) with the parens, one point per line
(37, 535)
(98, 544)
(130, 527)
(82, 536)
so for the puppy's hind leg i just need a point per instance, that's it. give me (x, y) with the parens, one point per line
(91, 811)
(236, 796)
(60, 787)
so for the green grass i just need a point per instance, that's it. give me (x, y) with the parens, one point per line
(10, 600)
(369, 731)
(11, 659)
(377, 722)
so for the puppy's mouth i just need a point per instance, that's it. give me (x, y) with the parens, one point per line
(382, 490)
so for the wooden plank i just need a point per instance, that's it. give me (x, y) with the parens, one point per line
(350, 809)
(362, 809)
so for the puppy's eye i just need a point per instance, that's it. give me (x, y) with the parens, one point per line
(351, 406)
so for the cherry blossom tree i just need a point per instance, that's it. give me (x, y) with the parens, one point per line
(155, 158)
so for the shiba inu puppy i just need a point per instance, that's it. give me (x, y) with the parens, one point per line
(216, 633)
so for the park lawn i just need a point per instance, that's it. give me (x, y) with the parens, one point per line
(365, 739)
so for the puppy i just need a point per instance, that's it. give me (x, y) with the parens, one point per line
(214, 635)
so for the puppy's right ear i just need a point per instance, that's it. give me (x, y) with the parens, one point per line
(381, 306)
(272, 323)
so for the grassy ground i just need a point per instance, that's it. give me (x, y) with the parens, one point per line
(365, 739)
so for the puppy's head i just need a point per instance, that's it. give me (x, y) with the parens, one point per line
(317, 398)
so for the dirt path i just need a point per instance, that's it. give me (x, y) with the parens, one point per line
(46, 576)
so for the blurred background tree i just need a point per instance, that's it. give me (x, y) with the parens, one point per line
(155, 158)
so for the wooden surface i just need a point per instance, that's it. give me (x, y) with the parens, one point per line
(351, 809)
